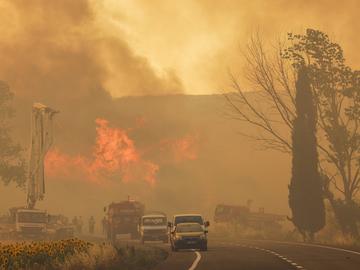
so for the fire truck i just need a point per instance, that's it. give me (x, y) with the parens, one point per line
(23, 223)
(123, 218)
(26, 221)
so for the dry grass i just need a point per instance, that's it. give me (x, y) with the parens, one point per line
(236, 231)
(106, 256)
(330, 235)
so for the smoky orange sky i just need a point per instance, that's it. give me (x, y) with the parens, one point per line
(150, 47)
(85, 58)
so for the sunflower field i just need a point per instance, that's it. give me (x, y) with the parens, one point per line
(40, 255)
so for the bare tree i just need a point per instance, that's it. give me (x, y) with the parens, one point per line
(270, 106)
(336, 88)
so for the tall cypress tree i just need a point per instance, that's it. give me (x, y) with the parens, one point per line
(305, 189)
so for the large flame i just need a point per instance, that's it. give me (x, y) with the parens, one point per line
(115, 155)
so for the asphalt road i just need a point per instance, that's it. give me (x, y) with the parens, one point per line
(262, 255)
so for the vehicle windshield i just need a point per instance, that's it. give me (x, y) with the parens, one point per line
(193, 227)
(189, 219)
(126, 218)
(32, 217)
(154, 221)
(121, 211)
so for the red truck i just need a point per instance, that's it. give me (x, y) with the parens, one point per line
(123, 218)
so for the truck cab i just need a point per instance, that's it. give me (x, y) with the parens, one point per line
(59, 227)
(153, 228)
(29, 223)
(188, 218)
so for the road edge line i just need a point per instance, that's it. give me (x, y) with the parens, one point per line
(311, 245)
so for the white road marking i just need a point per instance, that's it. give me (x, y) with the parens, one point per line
(312, 245)
(332, 248)
(279, 256)
(196, 262)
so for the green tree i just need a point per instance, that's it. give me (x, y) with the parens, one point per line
(12, 164)
(305, 189)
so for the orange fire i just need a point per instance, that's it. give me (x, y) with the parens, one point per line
(115, 155)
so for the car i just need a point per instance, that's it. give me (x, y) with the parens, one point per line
(190, 235)
(153, 228)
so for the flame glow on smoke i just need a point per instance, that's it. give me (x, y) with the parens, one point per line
(116, 156)
(186, 148)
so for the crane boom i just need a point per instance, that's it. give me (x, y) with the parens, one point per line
(41, 141)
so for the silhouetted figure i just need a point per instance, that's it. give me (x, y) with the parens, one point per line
(91, 225)
(80, 225)
(104, 225)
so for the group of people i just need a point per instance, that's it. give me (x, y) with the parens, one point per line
(78, 224)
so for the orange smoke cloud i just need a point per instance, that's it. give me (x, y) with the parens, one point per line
(57, 162)
(175, 150)
(114, 155)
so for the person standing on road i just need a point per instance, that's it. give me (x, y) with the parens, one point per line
(91, 225)
(104, 225)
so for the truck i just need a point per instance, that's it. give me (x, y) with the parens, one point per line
(123, 218)
(27, 223)
(153, 227)
(58, 227)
